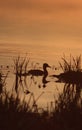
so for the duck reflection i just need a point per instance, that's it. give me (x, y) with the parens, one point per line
(45, 81)
(32, 75)
(27, 81)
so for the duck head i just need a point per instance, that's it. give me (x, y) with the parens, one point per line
(45, 65)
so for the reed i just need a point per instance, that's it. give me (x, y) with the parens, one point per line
(73, 64)
(18, 116)
(21, 64)
(68, 108)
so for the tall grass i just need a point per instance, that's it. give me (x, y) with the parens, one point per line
(17, 115)
(20, 67)
(73, 64)
(67, 114)
(68, 108)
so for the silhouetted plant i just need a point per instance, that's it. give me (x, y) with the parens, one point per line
(20, 66)
(73, 64)
(68, 109)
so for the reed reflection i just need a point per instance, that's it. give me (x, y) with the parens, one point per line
(71, 96)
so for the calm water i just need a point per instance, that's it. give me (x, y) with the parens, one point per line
(38, 53)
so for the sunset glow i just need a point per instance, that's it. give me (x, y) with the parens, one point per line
(41, 22)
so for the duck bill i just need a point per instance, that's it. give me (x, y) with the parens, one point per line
(49, 66)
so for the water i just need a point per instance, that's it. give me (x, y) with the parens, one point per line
(38, 53)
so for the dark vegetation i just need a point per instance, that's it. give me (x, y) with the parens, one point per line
(72, 72)
(67, 111)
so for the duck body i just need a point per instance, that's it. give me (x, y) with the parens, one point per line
(35, 72)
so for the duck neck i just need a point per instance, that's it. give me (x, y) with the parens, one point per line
(45, 71)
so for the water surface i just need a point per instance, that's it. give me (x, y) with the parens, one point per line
(38, 53)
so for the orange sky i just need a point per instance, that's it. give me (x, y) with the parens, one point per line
(41, 20)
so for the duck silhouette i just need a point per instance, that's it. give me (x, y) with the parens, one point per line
(37, 72)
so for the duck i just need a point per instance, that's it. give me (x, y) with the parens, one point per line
(37, 72)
